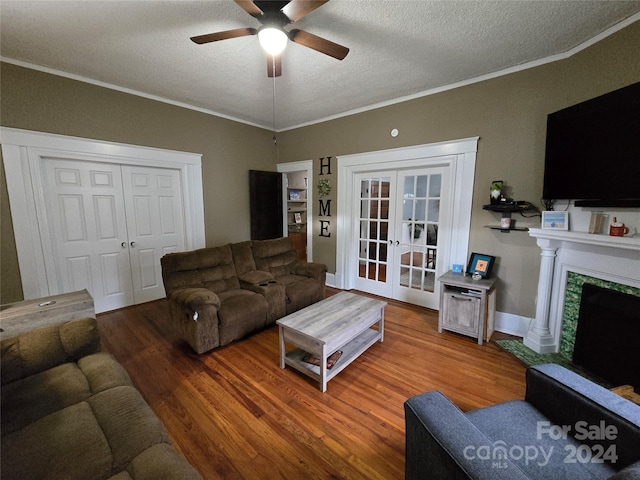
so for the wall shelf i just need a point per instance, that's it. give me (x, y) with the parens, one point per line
(506, 210)
(507, 230)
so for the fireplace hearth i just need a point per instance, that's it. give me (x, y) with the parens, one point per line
(608, 335)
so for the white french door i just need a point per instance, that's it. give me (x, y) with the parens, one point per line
(399, 218)
(422, 230)
(110, 225)
(373, 220)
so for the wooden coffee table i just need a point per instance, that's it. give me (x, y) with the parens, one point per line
(344, 321)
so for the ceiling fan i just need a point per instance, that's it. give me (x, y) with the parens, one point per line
(274, 15)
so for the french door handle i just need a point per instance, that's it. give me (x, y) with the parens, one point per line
(133, 244)
(123, 244)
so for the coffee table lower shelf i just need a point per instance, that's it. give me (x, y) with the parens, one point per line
(350, 351)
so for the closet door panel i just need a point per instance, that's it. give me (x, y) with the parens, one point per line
(87, 225)
(153, 199)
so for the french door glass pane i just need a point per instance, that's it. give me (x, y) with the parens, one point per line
(420, 217)
(374, 228)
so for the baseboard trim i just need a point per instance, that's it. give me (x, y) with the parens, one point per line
(503, 322)
(511, 324)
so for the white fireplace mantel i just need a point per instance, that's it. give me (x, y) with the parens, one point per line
(616, 259)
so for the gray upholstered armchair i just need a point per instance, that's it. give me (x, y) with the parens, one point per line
(567, 427)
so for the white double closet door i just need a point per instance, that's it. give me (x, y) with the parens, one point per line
(110, 225)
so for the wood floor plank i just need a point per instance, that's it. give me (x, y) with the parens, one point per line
(234, 414)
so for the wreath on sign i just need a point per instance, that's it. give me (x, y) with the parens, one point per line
(324, 187)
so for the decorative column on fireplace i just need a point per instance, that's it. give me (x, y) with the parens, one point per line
(539, 337)
(615, 259)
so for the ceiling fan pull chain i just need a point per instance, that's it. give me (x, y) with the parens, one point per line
(273, 66)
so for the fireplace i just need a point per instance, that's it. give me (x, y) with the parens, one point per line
(602, 258)
(608, 334)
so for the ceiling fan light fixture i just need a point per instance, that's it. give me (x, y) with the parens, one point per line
(273, 40)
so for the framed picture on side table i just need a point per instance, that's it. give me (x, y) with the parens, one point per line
(552, 220)
(480, 264)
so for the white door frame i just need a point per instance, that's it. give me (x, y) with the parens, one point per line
(302, 165)
(458, 155)
(22, 152)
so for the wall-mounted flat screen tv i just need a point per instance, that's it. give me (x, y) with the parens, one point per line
(593, 151)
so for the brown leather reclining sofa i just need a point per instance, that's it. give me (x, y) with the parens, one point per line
(221, 294)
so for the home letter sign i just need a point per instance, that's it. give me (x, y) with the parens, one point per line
(324, 187)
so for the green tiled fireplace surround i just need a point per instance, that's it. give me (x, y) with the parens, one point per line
(573, 294)
(572, 306)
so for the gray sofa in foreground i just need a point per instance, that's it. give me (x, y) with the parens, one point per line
(70, 411)
(567, 427)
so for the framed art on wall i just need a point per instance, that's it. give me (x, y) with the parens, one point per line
(552, 220)
(481, 264)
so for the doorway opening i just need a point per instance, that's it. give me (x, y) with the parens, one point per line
(297, 213)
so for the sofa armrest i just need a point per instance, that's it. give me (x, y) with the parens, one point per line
(46, 347)
(191, 299)
(311, 270)
(569, 399)
(442, 443)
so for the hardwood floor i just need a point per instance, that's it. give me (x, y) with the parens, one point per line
(234, 414)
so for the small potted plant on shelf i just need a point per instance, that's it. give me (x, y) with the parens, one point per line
(496, 192)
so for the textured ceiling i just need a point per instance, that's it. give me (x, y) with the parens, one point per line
(398, 49)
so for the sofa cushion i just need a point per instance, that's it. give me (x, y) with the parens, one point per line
(527, 444)
(277, 256)
(68, 443)
(42, 348)
(160, 462)
(33, 397)
(241, 313)
(103, 372)
(128, 423)
(211, 268)
(243, 257)
(301, 291)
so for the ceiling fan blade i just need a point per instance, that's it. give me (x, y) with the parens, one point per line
(296, 9)
(274, 66)
(214, 37)
(250, 7)
(318, 44)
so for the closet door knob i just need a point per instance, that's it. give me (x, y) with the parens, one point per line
(123, 244)
(133, 244)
